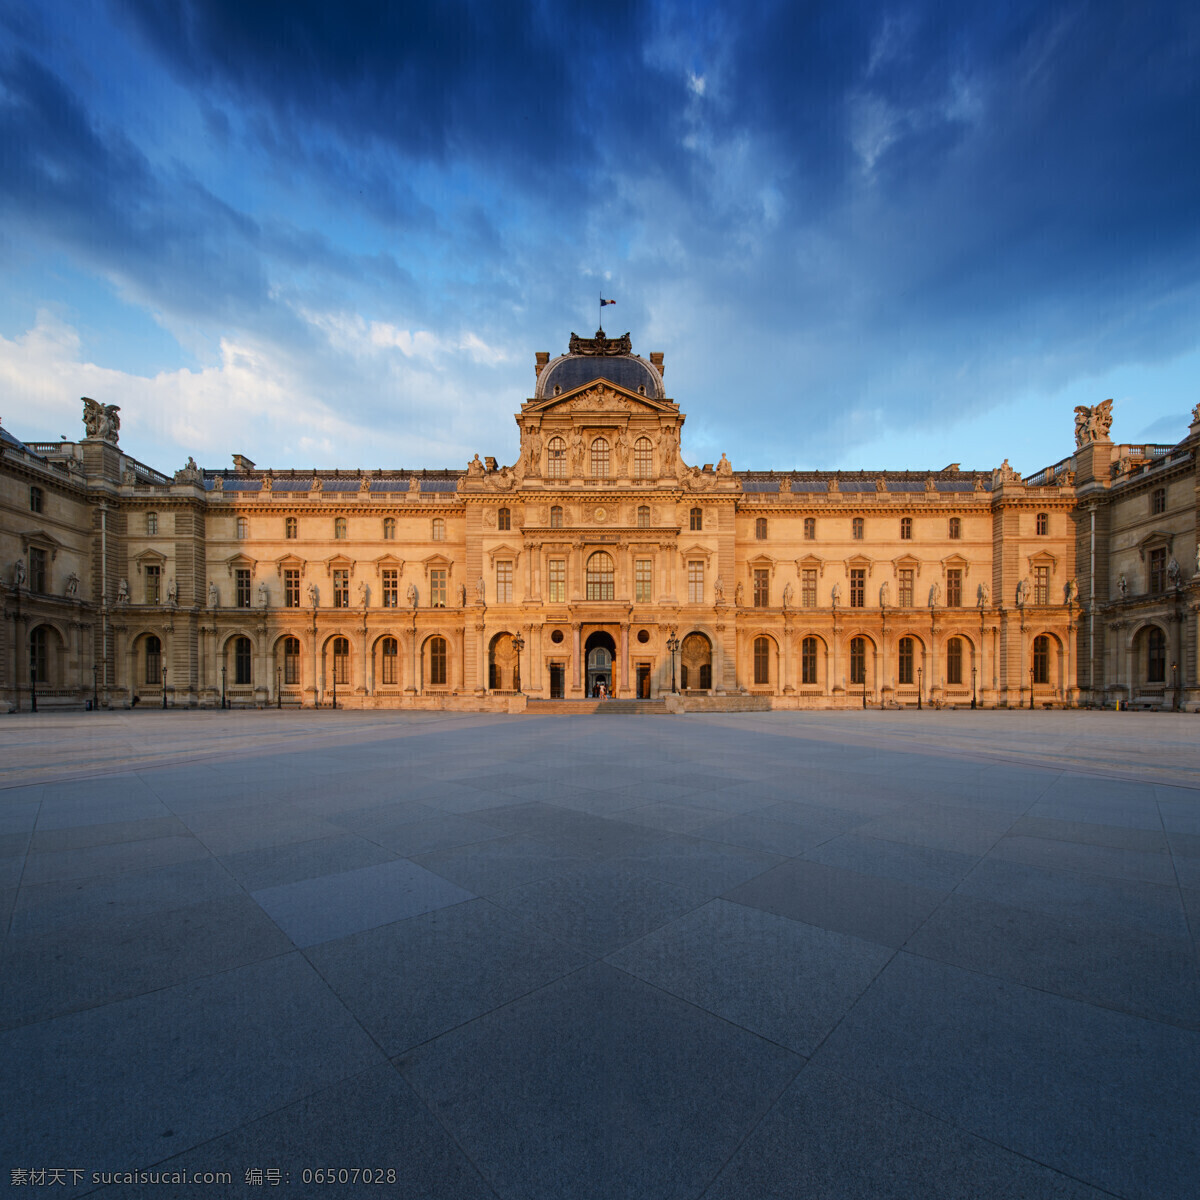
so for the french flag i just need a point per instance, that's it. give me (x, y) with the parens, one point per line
(603, 302)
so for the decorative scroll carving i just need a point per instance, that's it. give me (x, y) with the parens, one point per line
(600, 345)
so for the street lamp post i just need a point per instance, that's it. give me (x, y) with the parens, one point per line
(33, 687)
(519, 643)
(224, 702)
(95, 686)
(1030, 689)
(672, 647)
(335, 674)
(1175, 686)
(973, 669)
(920, 688)
(164, 670)
(278, 693)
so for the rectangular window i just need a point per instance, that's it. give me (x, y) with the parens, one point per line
(37, 569)
(906, 587)
(242, 662)
(291, 662)
(954, 588)
(858, 660)
(762, 660)
(341, 588)
(808, 587)
(35, 499)
(1158, 501)
(558, 580)
(954, 659)
(390, 658)
(810, 529)
(291, 587)
(695, 583)
(1041, 585)
(153, 578)
(904, 661)
(242, 587)
(1158, 570)
(858, 587)
(808, 661)
(152, 524)
(762, 588)
(642, 580)
(437, 588)
(504, 574)
(391, 587)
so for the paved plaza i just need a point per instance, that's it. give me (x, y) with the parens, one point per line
(781, 955)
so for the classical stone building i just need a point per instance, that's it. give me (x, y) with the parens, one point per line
(600, 558)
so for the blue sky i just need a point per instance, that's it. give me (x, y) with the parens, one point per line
(864, 235)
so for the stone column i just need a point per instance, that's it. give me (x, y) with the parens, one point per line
(481, 674)
(625, 659)
(575, 655)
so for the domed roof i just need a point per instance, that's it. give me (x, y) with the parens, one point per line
(599, 358)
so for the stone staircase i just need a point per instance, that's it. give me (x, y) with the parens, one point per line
(564, 708)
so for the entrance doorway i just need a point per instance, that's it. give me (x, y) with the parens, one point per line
(557, 688)
(599, 654)
(643, 681)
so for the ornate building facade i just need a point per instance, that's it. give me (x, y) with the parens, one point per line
(599, 559)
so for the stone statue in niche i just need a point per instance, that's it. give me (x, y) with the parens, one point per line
(884, 594)
(1122, 585)
(214, 596)
(314, 595)
(264, 596)
(411, 595)
(19, 573)
(788, 595)
(985, 595)
(1071, 592)
(480, 591)
(835, 594)
(172, 593)
(935, 595)
(72, 586)
(123, 591)
(1022, 593)
(364, 593)
(719, 590)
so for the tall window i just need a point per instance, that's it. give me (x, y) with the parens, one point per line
(643, 459)
(153, 660)
(642, 580)
(762, 660)
(762, 588)
(341, 660)
(760, 529)
(858, 587)
(906, 529)
(153, 579)
(954, 588)
(389, 657)
(556, 516)
(906, 587)
(1043, 524)
(904, 661)
(1041, 585)
(291, 587)
(810, 529)
(291, 529)
(504, 574)
(389, 529)
(954, 661)
(1158, 570)
(437, 661)
(808, 660)
(241, 578)
(696, 520)
(152, 524)
(955, 528)
(600, 458)
(558, 580)
(1156, 655)
(856, 529)
(600, 576)
(291, 661)
(643, 516)
(695, 583)
(242, 661)
(858, 660)
(439, 529)
(39, 659)
(339, 528)
(243, 529)
(35, 499)
(556, 458)
(504, 519)
(37, 569)
(1041, 659)
(437, 588)
(341, 588)
(1158, 501)
(391, 587)
(808, 587)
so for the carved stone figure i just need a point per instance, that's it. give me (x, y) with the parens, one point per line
(739, 596)
(1022, 593)
(533, 451)
(835, 593)
(1004, 474)
(474, 467)
(935, 595)
(489, 517)
(833, 484)
(364, 593)
(219, 483)
(1198, 556)
(480, 591)
(1071, 591)
(1196, 421)
(1173, 571)
(190, 473)
(667, 449)
(885, 594)
(19, 573)
(314, 595)
(264, 597)
(316, 485)
(101, 420)
(123, 592)
(1092, 424)
(412, 596)
(72, 586)
(985, 595)
(719, 590)
(214, 596)
(930, 485)
(785, 485)
(577, 453)
(172, 592)
(462, 595)
(1122, 585)
(621, 450)
(724, 467)
(268, 482)
(788, 594)
(364, 484)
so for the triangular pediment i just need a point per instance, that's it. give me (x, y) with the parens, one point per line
(600, 396)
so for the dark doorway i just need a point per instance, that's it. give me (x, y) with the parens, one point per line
(643, 681)
(557, 690)
(600, 653)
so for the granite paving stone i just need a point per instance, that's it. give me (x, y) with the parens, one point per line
(924, 866)
(272, 866)
(86, 861)
(486, 868)
(1117, 862)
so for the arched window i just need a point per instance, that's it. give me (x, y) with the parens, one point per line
(760, 529)
(696, 519)
(290, 529)
(389, 529)
(904, 661)
(600, 576)
(389, 655)
(243, 529)
(291, 661)
(643, 458)
(439, 529)
(808, 660)
(906, 529)
(504, 519)
(810, 529)
(556, 458)
(242, 653)
(643, 516)
(762, 660)
(856, 528)
(1156, 655)
(341, 660)
(1043, 524)
(437, 661)
(152, 524)
(556, 519)
(1041, 659)
(955, 528)
(39, 659)
(954, 660)
(858, 660)
(339, 528)
(600, 458)
(153, 660)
